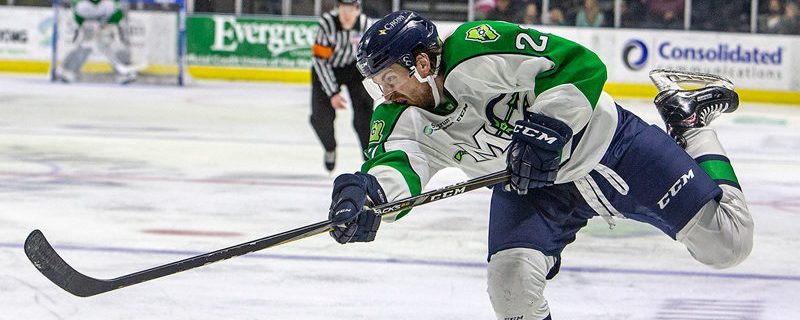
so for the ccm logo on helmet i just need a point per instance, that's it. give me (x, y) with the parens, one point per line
(536, 134)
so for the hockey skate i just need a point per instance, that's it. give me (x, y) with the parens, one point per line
(126, 78)
(330, 160)
(684, 109)
(66, 77)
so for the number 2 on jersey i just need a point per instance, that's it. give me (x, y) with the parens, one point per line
(536, 47)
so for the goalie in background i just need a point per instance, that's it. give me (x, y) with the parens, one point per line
(99, 24)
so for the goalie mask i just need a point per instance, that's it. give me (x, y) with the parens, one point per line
(393, 39)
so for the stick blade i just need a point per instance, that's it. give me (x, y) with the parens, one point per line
(52, 266)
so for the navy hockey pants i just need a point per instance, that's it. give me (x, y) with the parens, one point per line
(666, 189)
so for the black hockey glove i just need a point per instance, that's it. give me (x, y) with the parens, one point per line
(535, 151)
(351, 193)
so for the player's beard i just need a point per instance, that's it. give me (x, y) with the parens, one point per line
(414, 93)
(421, 97)
(425, 98)
(400, 98)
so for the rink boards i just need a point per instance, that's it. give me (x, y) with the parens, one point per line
(259, 48)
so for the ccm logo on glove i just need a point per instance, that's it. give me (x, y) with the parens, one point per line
(533, 133)
(534, 153)
(342, 211)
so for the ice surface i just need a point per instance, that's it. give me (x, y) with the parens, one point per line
(121, 179)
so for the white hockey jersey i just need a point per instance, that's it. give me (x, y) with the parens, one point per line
(492, 72)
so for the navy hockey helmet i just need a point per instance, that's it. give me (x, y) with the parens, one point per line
(392, 39)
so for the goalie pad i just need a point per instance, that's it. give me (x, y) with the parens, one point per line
(73, 63)
(113, 45)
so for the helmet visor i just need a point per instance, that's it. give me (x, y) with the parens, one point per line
(387, 81)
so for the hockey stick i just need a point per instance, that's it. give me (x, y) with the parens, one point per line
(52, 266)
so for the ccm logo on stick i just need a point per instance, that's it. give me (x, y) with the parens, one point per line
(439, 196)
(676, 187)
(448, 194)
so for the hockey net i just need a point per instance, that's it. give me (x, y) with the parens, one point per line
(154, 37)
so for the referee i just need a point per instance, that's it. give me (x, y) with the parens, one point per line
(335, 65)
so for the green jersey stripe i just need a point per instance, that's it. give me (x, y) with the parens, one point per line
(719, 170)
(399, 161)
(384, 119)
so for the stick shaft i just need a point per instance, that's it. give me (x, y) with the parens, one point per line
(52, 266)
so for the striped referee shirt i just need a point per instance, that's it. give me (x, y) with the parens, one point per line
(335, 48)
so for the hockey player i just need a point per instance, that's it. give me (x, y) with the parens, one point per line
(335, 65)
(498, 96)
(98, 23)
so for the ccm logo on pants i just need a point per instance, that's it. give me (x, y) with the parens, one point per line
(676, 187)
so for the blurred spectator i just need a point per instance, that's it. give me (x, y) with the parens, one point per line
(263, 6)
(557, 17)
(482, 8)
(790, 24)
(376, 8)
(590, 15)
(707, 15)
(633, 13)
(503, 11)
(214, 6)
(737, 16)
(569, 8)
(519, 6)
(666, 14)
(721, 15)
(770, 21)
(531, 15)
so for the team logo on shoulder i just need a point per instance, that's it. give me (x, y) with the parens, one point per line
(375, 136)
(482, 33)
(376, 133)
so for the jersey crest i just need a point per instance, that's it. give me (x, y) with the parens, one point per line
(486, 146)
(482, 33)
(491, 140)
